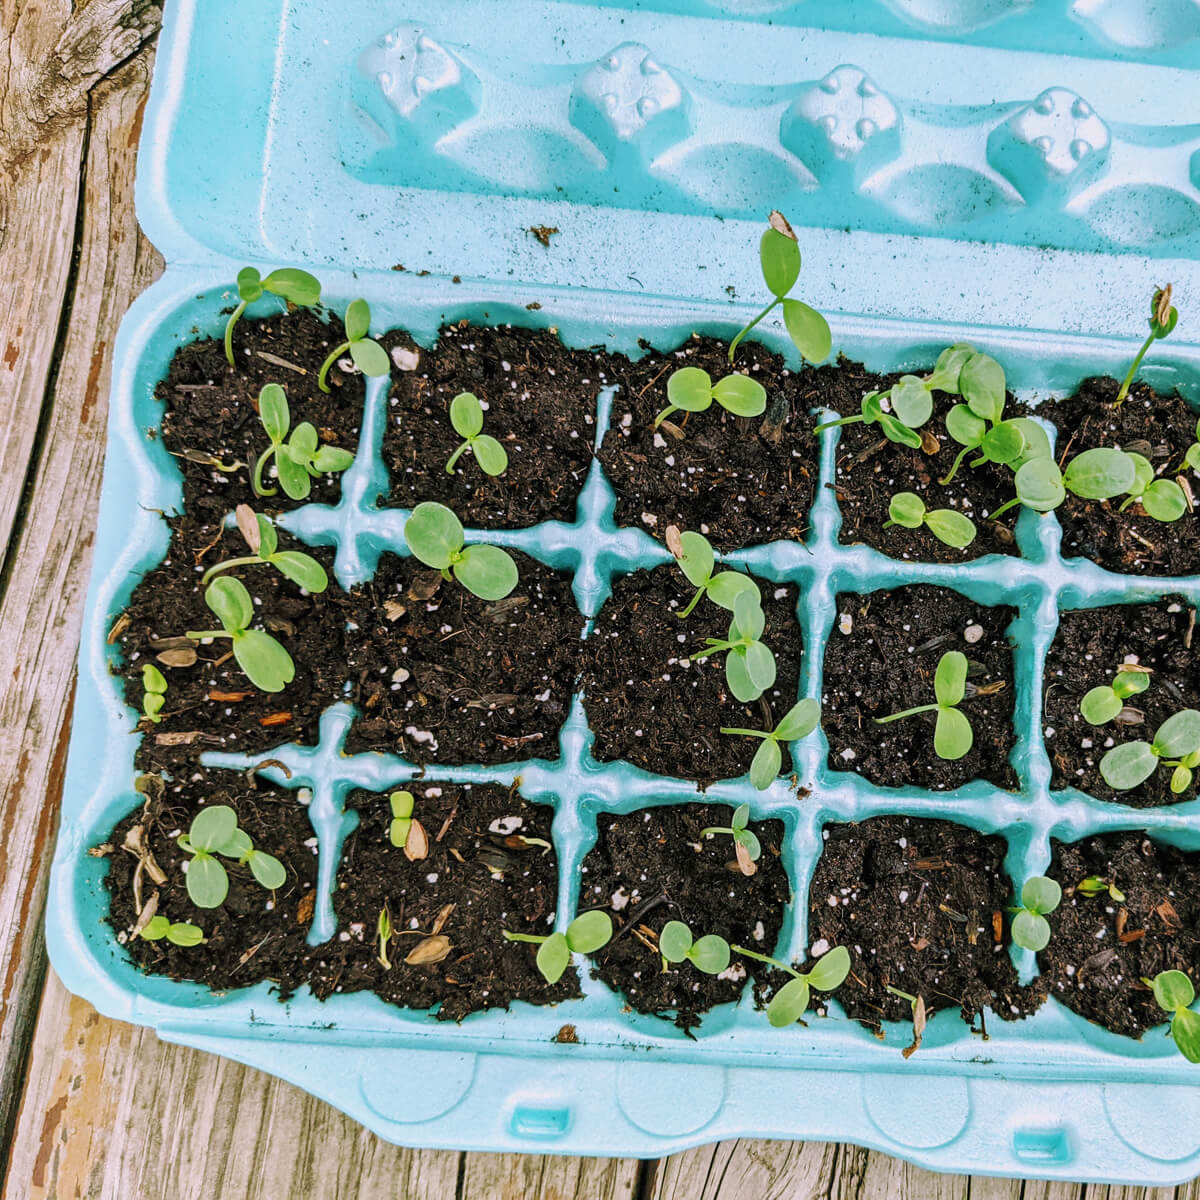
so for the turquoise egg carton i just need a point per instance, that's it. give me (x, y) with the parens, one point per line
(348, 142)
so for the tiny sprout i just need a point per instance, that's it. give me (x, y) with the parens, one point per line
(749, 663)
(1093, 885)
(798, 722)
(214, 831)
(404, 830)
(872, 413)
(1176, 744)
(436, 537)
(1030, 929)
(266, 663)
(779, 257)
(466, 415)
(178, 933)
(1192, 457)
(263, 541)
(368, 356)
(1174, 993)
(788, 1004)
(1163, 319)
(383, 930)
(952, 735)
(691, 389)
(709, 953)
(947, 525)
(697, 561)
(154, 687)
(1103, 703)
(299, 460)
(586, 934)
(1162, 499)
(294, 286)
(745, 844)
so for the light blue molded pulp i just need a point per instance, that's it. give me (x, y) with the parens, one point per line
(948, 184)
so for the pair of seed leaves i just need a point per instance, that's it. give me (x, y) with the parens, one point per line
(1174, 993)
(1101, 704)
(586, 934)
(300, 458)
(266, 663)
(436, 537)
(466, 416)
(952, 733)
(709, 953)
(214, 830)
(827, 974)
(1030, 929)
(1176, 743)
(947, 525)
(798, 722)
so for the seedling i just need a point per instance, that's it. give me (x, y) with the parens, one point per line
(299, 459)
(1174, 993)
(1192, 457)
(294, 286)
(745, 844)
(1163, 319)
(401, 804)
(952, 734)
(154, 689)
(749, 663)
(873, 414)
(947, 525)
(709, 953)
(263, 542)
(1103, 703)
(1093, 885)
(383, 931)
(466, 415)
(585, 935)
(178, 933)
(368, 356)
(1099, 474)
(698, 561)
(1030, 929)
(1162, 499)
(266, 663)
(788, 1004)
(798, 722)
(691, 389)
(214, 831)
(1176, 744)
(436, 537)
(779, 257)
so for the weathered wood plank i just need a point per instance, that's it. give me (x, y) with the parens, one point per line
(546, 1177)
(42, 602)
(863, 1175)
(1040, 1189)
(747, 1169)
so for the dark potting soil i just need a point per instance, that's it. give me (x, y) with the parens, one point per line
(255, 934)
(442, 676)
(215, 707)
(212, 408)
(651, 705)
(1101, 948)
(920, 906)
(739, 481)
(481, 863)
(658, 852)
(871, 470)
(1129, 541)
(539, 402)
(881, 658)
(1087, 651)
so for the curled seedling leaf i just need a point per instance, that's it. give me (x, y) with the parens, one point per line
(1103, 703)
(873, 413)
(1174, 993)
(746, 844)
(947, 525)
(1094, 885)
(697, 560)
(691, 389)
(789, 1004)
(798, 722)
(214, 831)
(266, 663)
(952, 734)
(466, 415)
(1163, 319)
(709, 953)
(368, 355)
(1162, 499)
(263, 541)
(154, 692)
(293, 285)
(436, 537)
(1039, 896)
(298, 459)
(1176, 744)
(585, 935)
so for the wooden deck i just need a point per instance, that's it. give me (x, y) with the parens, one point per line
(89, 1107)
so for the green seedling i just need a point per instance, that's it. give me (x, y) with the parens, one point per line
(436, 537)
(709, 953)
(779, 257)
(1099, 474)
(1094, 885)
(749, 663)
(298, 459)
(1192, 457)
(466, 415)
(952, 734)
(368, 355)
(789, 1004)
(214, 831)
(947, 525)
(266, 663)
(401, 804)
(691, 389)
(260, 536)
(383, 931)
(154, 689)
(745, 844)
(585, 935)
(873, 413)
(1030, 929)
(1174, 993)
(1176, 744)
(1103, 703)
(798, 722)
(697, 560)
(1163, 319)
(294, 286)
(178, 933)
(1162, 499)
